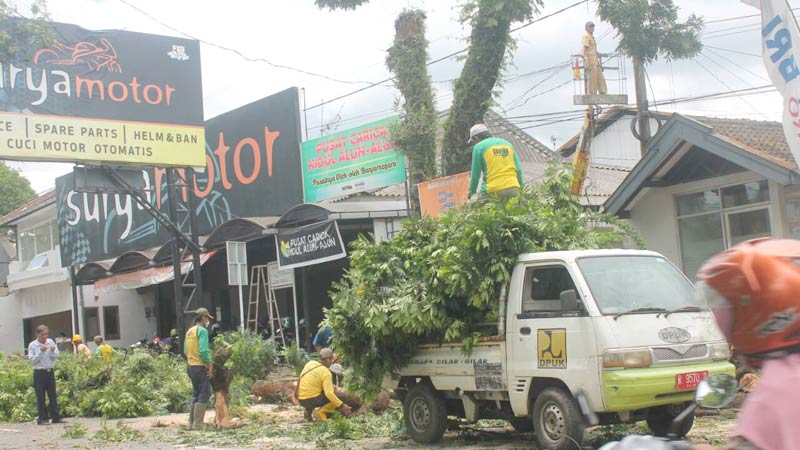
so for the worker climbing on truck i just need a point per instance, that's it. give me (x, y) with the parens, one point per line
(497, 160)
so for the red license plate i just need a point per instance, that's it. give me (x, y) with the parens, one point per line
(687, 381)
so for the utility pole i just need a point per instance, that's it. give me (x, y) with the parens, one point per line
(641, 103)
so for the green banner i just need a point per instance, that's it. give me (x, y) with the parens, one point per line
(351, 161)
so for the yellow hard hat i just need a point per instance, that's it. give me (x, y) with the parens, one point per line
(77, 338)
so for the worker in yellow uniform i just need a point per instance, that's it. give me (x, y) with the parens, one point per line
(195, 347)
(80, 347)
(593, 66)
(316, 390)
(497, 160)
(104, 350)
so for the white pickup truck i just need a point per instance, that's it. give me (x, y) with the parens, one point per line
(622, 326)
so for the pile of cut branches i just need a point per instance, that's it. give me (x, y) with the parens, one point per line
(439, 280)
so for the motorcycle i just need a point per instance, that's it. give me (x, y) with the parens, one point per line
(715, 393)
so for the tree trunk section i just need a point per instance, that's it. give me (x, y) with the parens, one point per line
(641, 104)
(473, 89)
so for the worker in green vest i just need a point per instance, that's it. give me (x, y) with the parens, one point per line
(195, 347)
(497, 160)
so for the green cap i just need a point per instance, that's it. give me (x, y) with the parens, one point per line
(203, 312)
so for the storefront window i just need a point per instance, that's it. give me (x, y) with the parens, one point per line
(709, 222)
(749, 225)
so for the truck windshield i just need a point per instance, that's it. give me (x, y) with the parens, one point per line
(624, 283)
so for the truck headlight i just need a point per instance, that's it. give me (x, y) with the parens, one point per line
(627, 358)
(719, 351)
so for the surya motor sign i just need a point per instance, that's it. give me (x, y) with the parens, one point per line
(106, 96)
(356, 160)
(253, 170)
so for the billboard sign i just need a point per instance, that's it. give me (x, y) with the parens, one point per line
(442, 194)
(106, 96)
(253, 169)
(356, 160)
(309, 245)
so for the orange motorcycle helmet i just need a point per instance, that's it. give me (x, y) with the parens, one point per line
(753, 289)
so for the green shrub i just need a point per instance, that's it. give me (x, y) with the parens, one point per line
(295, 357)
(253, 358)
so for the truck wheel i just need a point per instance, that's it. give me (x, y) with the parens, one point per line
(521, 424)
(557, 420)
(425, 414)
(660, 421)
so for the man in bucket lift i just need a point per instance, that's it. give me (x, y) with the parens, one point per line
(596, 81)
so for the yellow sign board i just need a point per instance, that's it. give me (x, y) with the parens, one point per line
(57, 138)
(551, 348)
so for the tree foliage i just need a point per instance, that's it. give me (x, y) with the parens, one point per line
(648, 29)
(472, 94)
(340, 4)
(15, 190)
(16, 35)
(416, 135)
(439, 280)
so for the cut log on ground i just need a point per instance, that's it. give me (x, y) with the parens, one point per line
(273, 392)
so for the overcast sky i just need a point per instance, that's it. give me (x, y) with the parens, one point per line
(351, 46)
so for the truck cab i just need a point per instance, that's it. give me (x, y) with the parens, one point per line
(622, 326)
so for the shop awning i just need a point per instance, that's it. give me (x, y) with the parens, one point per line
(145, 277)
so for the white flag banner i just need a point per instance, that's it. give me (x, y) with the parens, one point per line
(780, 47)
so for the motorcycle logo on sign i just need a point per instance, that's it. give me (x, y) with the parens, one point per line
(674, 335)
(551, 348)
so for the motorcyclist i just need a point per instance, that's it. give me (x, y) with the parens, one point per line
(753, 290)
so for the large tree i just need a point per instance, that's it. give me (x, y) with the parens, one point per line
(472, 95)
(415, 137)
(15, 190)
(20, 35)
(647, 30)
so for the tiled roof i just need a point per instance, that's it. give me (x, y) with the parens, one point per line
(527, 147)
(762, 136)
(42, 200)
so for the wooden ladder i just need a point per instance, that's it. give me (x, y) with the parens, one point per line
(259, 283)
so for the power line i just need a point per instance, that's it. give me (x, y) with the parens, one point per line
(443, 57)
(761, 77)
(731, 51)
(726, 85)
(237, 52)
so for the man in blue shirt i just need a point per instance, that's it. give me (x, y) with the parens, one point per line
(42, 353)
(323, 338)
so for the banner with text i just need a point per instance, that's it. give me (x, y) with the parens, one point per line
(253, 170)
(442, 194)
(356, 160)
(109, 96)
(779, 34)
(309, 245)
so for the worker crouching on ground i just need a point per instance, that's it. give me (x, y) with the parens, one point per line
(315, 389)
(198, 358)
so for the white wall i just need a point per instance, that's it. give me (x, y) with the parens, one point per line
(654, 218)
(134, 325)
(616, 146)
(10, 325)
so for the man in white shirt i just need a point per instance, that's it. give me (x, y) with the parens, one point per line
(42, 353)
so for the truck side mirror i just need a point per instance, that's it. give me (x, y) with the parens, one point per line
(569, 300)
